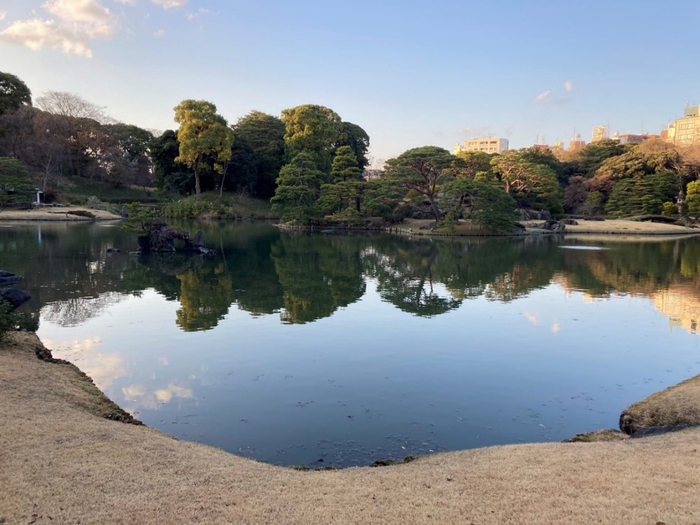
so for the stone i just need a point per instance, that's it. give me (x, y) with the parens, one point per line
(160, 238)
(7, 278)
(15, 297)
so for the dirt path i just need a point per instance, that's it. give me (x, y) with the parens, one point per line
(61, 463)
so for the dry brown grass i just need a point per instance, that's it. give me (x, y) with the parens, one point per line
(62, 465)
(677, 405)
(623, 227)
(56, 214)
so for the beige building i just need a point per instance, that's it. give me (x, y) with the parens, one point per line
(685, 131)
(487, 145)
(600, 133)
(576, 143)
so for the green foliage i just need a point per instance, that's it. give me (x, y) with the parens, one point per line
(593, 155)
(137, 217)
(344, 167)
(357, 139)
(8, 321)
(532, 185)
(258, 154)
(669, 209)
(203, 133)
(488, 206)
(16, 188)
(13, 93)
(170, 175)
(642, 195)
(298, 187)
(421, 170)
(475, 162)
(312, 129)
(692, 199)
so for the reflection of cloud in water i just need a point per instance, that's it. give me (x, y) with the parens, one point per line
(103, 369)
(531, 317)
(138, 397)
(74, 312)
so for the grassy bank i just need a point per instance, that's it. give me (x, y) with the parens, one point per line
(62, 461)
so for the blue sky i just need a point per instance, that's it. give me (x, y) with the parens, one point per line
(411, 73)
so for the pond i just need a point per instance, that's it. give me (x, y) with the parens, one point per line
(338, 350)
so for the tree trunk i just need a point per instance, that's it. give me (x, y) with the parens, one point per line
(197, 187)
(433, 206)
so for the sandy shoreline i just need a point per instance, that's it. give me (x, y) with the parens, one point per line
(66, 213)
(61, 461)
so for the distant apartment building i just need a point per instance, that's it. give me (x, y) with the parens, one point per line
(576, 144)
(686, 130)
(629, 138)
(600, 133)
(487, 145)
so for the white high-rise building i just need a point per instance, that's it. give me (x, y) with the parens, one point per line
(487, 145)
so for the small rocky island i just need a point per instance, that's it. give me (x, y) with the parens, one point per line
(159, 237)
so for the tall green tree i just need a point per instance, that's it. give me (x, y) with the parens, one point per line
(258, 153)
(357, 138)
(298, 188)
(13, 93)
(312, 129)
(169, 174)
(421, 170)
(203, 133)
(344, 167)
(488, 206)
(532, 185)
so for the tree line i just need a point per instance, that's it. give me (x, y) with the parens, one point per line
(311, 165)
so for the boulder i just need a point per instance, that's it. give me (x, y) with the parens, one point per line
(14, 297)
(7, 278)
(160, 238)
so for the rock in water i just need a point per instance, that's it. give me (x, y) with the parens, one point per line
(161, 238)
(15, 297)
(7, 278)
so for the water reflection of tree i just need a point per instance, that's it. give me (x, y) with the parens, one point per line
(77, 310)
(406, 275)
(307, 277)
(318, 275)
(206, 293)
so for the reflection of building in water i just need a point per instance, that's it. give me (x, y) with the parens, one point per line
(682, 305)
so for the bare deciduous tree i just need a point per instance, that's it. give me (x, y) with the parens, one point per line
(72, 105)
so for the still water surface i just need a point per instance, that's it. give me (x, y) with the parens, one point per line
(342, 349)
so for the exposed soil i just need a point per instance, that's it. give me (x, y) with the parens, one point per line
(62, 461)
(67, 213)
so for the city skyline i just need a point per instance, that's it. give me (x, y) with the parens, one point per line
(516, 71)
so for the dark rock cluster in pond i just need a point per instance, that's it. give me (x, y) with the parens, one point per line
(8, 279)
(14, 297)
(161, 238)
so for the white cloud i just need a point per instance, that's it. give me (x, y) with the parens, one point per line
(3, 15)
(545, 95)
(37, 34)
(77, 23)
(85, 16)
(568, 86)
(160, 33)
(128, 2)
(169, 4)
(555, 328)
